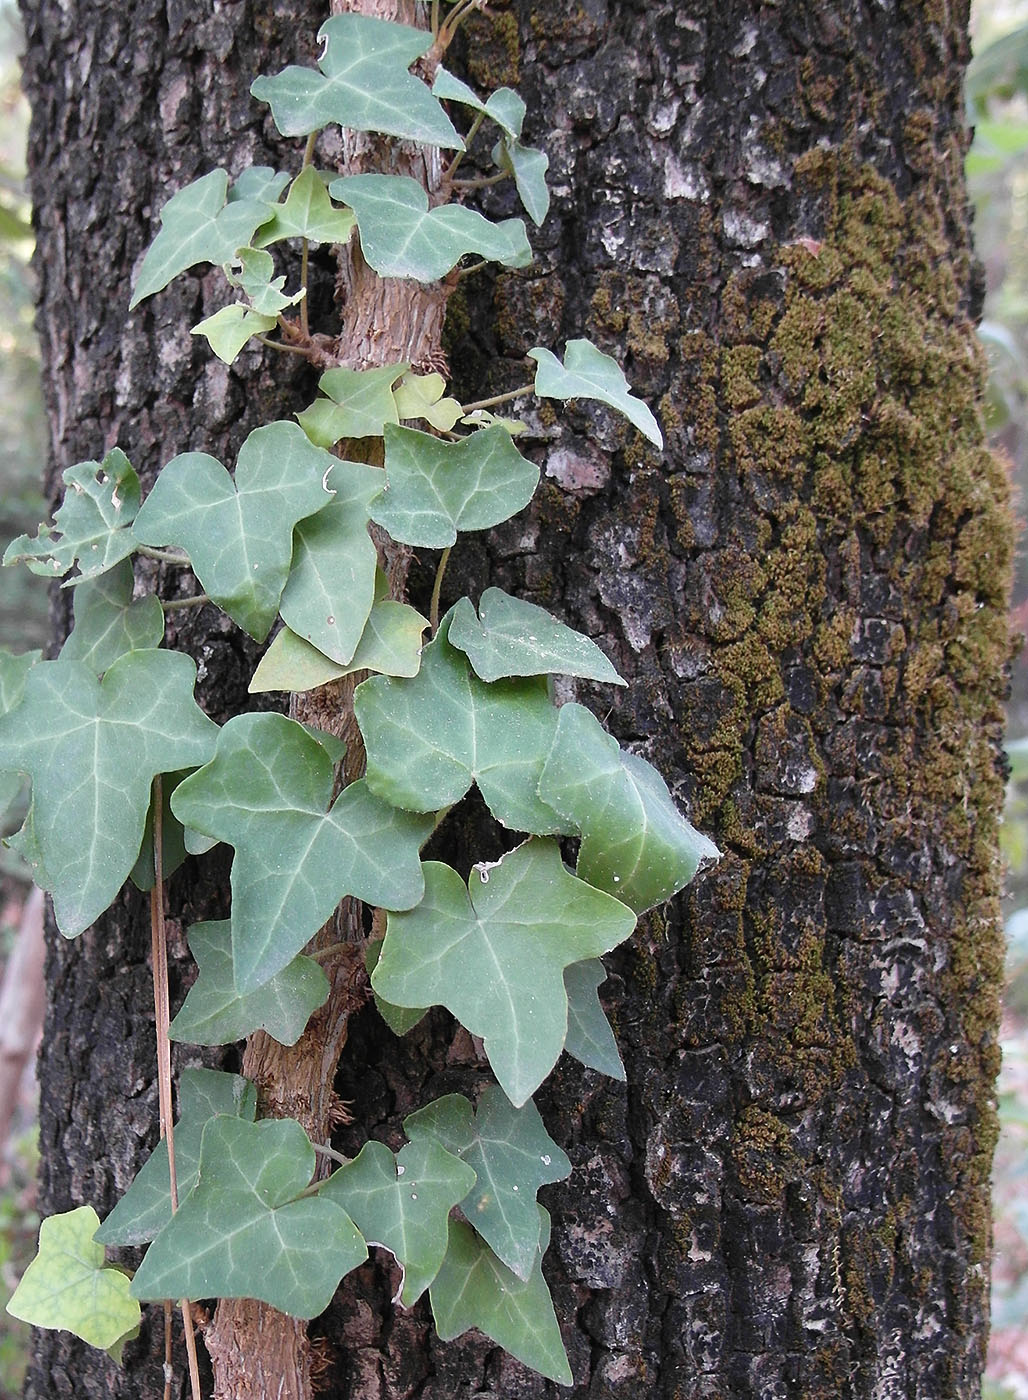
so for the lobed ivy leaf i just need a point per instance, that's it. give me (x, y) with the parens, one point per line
(214, 1013)
(511, 637)
(91, 526)
(92, 749)
(421, 396)
(635, 843)
(504, 107)
(399, 1019)
(528, 166)
(364, 84)
(108, 623)
(259, 182)
(435, 489)
(403, 1204)
(252, 270)
(228, 330)
(145, 1208)
(429, 738)
(493, 952)
(307, 212)
(402, 237)
(359, 404)
(267, 793)
(512, 1155)
(474, 1289)
(589, 374)
(590, 1039)
(69, 1286)
(242, 1232)
(239, 535)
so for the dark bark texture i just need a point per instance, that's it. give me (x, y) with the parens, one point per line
(759, 208)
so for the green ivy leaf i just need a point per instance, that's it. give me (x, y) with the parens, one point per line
(511, 637)
(635, 843)
(108, 623)
(242, 1233)
(421, 396)
(529, 167)
(252, 270)
(92, 750)
(402, 237)
(14, 670)
(198, 224)
(267, 793)
(307, 212)
(403, 1203)
(504, 107)
(589, 374)
(512, 1155)
(359, 404)
(494, 952)
(590, 1038)
(145, 1208)
(259, 182)
(68, 1285)
(215, 1014)
(482, 418)
(435, 488)
(228, 330)
(239, 536)
(399, 1019)
(473, 1289)
(363, 84)
(100, 502)
(428, 739)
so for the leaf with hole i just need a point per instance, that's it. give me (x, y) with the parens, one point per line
(359, 404)
(589, 374)
(108, 623)
(511, 637)
(307, 212)
(590, 1039)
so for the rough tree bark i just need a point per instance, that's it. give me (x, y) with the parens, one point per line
(761, 208)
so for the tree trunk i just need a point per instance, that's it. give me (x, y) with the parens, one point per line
(760, 209)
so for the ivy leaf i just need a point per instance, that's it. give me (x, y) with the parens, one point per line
(504, 107)
(307, 212)
(435, 488)
(239, 536)
(67, 1285)
(92, 750)
(512, 1155)
(363, 84)
(529, 167)
(145, 1208)
(331, 584)
(108, 623)
(100, 502)
(429, 738)
(421, 396)
(215, 1014)
(198, 224)
(253, 271)
(359, 404)
(267, 793)
(242, 1233)
(228, 330)
(259, 182)
(399, 1019)
(14, 670)
(494, 952)
(590, 1038)
(403, 1204)
(511, 637)
(482, 418)
(589, 374)
(402, 237)
(473, 1289)
(635, 843)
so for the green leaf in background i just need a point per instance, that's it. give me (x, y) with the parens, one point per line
(429, 738)
(589, 374)
(252, 270)
(307, 212)
(228, 330)
(198, 224)
(359, 404)
(511, 637)
(242, 1233)
(239, 535)
(258, 182)
(92, 750)
(590, 1038)
(512, 1155)
(473, 1289)
(529, 167)
(68, 1285)
(145, 1208)
(363, 84)
(214, 1013)
(402, 237)
(403, 1204)
(493, 952)
(421, 396)
(636, 845)
(108, 623)
(504, 107)
(399, 1019)
(435, 489)
(173, 844)
(91, 527)
(267, 793)
(14, 670)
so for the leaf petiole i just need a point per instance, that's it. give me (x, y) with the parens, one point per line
(499, 399)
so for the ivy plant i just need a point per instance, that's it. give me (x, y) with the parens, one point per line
(128, 775)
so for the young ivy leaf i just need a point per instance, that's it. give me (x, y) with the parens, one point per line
(228, 330)
(252, 270)
(244, 1231)
(511, 637)
(267, 793)
(259, 182)
(589, 374)
(364, 84)
(504, 107)
(590, 1038)
(92, 750)
(435, 489)
(512, 1154)
(529, 167)
(402, 237)
(108, 623)
(493, 952)
(239, 535)
(359, 404)
(307, 212)
(421, 396)
(403, 1204)
(91, 527)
